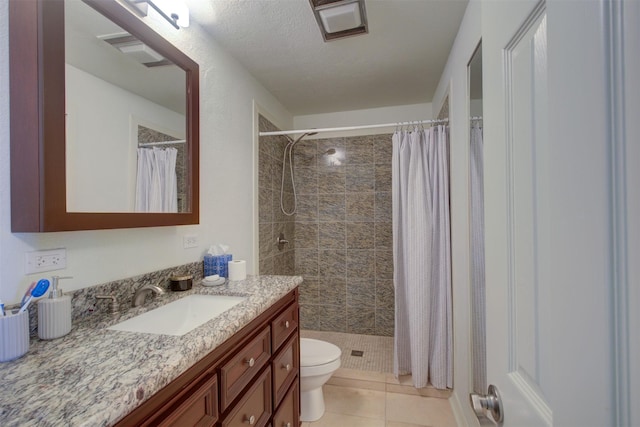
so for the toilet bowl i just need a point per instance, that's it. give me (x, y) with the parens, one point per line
(318, 361)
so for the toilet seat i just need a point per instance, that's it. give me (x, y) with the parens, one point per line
(317, 353)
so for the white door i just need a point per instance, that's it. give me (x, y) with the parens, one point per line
(547, 212)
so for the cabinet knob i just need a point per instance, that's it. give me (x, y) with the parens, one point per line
(287, 367)
(286, 324)
(286, 424)
(250, 362)
(250, 420)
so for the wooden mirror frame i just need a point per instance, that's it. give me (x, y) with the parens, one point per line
(37, 102)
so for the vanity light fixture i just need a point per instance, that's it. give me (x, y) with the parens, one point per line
(174, 11)
(340, 18)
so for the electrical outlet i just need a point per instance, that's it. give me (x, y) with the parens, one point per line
(190, 241)
(40, 261)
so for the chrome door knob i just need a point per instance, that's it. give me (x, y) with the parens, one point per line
(490, 402)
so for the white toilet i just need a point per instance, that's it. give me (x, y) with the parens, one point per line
(318, 361)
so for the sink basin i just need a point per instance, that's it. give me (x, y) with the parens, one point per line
(179, 317)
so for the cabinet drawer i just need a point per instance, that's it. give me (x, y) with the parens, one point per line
(289, 412)
(255, 407)
(199, 408)
(238, 371)
(285, 368)
(284, 325)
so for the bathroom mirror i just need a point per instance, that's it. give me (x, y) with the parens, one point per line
(476, 215)
(115, 85)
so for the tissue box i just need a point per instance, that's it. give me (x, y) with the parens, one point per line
(217, 264)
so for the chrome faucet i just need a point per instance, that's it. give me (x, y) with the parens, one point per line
(141, 294)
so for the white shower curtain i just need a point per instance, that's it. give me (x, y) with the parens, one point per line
(422, 257)
(478, 328)
(156, 183)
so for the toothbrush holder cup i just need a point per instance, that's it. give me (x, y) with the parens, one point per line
(14, 335)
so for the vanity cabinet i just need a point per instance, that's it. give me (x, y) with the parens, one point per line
(250, 379)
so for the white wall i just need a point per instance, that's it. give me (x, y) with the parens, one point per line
(227, 92)
(454, 82)
(371, 116)
(101, 147)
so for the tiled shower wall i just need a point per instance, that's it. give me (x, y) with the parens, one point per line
(344, 235)
(340, 238)
(272, 222)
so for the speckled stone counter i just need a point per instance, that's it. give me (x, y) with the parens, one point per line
(94, 376)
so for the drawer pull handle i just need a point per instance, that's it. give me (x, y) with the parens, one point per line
(250, 362)
(286, 324)
(286, 424)
(251, 420)
(287, 367)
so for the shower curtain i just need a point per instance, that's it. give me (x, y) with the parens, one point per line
(156, 182)
(478, 328)
(422, 257)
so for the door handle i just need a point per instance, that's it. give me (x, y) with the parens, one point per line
(489, 402)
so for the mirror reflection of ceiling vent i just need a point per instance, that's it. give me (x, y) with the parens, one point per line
(135, 49)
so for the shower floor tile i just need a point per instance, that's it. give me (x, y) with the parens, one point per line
(377, 351)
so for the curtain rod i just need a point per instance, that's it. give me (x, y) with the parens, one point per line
(148, 144)
(338, 129)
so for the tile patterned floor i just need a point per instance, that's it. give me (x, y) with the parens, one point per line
(364, 392)
(378, 351)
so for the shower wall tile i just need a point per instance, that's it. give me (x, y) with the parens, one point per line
(332, 235)
(306, 235)
(306, 262)
(306, 179)
(385, 298)
(266, 266)
(332, 262)
(383, 205)
(332, 318)
(305, 153)
(384, 322)
(284, 263)
(362, 321)
(333, 291)
(382, 149)
(361, 293)
(360, 179)
(338, 232)
(359, 150)
(271, 219)
(307, 208)
(383, 177)
(309, 316)
(309, 291)
(288, 202)
(361, 235)
(360, 207)
(331, 207)
(265, 235)
(265, 203)
(331, 181)
(384, 235)
(360, 264)
(384, 264)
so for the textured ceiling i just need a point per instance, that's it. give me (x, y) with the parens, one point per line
(398, 62)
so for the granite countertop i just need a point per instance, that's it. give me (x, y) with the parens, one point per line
(94, 376)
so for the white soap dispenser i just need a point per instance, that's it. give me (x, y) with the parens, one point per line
(54, 313)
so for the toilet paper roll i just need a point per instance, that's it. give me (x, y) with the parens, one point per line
(237, 270)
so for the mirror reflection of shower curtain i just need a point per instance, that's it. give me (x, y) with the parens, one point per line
(478, 328)
(422, 257)
(156, 181)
